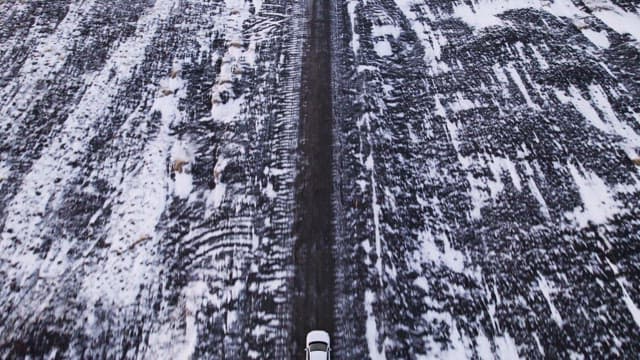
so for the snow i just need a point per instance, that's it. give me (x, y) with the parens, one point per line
(183, 185)
(460, 103)
(53, 170)
(439, 109)
(355, 38)
(418, 168)
(452, 128)
(482, 189)
(216, 196)
(47, 58)
(615, 17)
(4, 172)
(193, 295)
(498, 165)
(375, 352)
(457, 349)
(544, 208)
(387, 29)
(506, 347)
(501, 76)
(477, 195)
(234, 60)
(626, 298)
(380, 32)
(614, 125)
(598, 38)
(599, 98)
(180, 156)
(177, 343)
(538, 344)
(484, 346)
(547, 290)
(432, 40)
(363, 68)
(269, 192)
(258, 5)
(383, 48)
(484, 13)
(448, 257)
(477, 120)
(598, 204)
(377, 210)
(144, 195)
(110, 174)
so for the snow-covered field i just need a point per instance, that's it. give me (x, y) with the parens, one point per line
(487, 190)
(146, 173)
(486, 196)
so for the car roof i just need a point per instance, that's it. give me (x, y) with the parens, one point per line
(317, 355)
(318, 335)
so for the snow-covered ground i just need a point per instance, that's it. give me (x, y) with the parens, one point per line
(486, 196)
(487, 202)
(146, 173)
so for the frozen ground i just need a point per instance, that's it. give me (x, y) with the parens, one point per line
(488, 203)
(146, 167)
(485, 198)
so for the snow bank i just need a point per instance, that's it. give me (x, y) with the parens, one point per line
(631, 306)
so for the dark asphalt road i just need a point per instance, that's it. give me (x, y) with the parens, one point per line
(313, 302)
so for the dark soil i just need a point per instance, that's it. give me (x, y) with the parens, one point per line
(313, 301)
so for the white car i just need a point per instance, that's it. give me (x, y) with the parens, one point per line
(318, 346)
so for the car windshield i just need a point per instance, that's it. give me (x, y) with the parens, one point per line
(318, 346)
